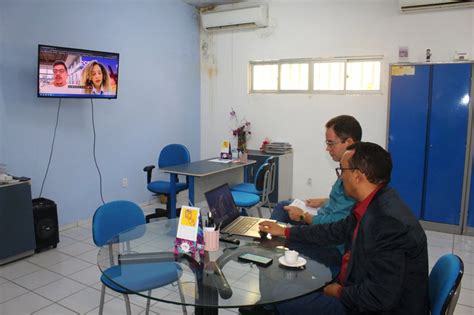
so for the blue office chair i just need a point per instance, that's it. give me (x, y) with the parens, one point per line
(247, 200)
(445, 284)
(171, 155)
(252, 187)
(109, 220)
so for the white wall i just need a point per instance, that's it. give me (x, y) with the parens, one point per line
(321, 28)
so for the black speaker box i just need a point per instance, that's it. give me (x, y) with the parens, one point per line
(45, 217)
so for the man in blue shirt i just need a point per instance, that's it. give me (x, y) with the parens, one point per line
(341, 131)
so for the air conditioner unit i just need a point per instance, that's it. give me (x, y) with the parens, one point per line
(224, 18)
(409, 6)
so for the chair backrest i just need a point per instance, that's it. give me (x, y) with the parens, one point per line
(272, 161)
(173, 154)
(444, 283)
(115, 217)
(262, 176)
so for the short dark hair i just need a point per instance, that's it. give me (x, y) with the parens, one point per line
(60, 62)
(345, 127)
(372, 160)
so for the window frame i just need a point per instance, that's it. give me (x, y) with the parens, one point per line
(311, 62)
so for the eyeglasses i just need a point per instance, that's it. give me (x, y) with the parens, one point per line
(339, 170)
(331, 143)
(61, 71)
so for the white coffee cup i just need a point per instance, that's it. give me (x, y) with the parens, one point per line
(291, 256)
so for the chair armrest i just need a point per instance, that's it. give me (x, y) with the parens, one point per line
(148, 169)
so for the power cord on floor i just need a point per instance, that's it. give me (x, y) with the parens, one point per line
(93, 152)
(52, 148)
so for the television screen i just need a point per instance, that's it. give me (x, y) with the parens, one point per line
(77, 73)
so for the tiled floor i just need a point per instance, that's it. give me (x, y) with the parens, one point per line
(66, 280)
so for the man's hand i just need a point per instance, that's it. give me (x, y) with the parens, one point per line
(271, 227)
(315, 202)
(294, 213)
(333, 289)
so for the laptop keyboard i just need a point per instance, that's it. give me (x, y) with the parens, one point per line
(243, 225)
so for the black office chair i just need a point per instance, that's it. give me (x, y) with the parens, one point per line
(171, 155)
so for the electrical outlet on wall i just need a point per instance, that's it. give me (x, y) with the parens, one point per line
(124, 182)
(309, 181)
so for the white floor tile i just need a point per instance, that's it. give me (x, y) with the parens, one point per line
(465, 256)
(10, 290)
(77, 233)
(90, 256)
(168, 308)
(48, 258)
(98, 286)
(84, 300)
(466, 297)
(17, 269)
(76, 248)
(467, 282)
(25, 304)
(463, 310)
(466, 245)
(70, 266)
(116, 307)
(60, 289)
(65, 241)
(54, 309)
(468, 268)
(37, 279)
(88, 276)
(90, 242)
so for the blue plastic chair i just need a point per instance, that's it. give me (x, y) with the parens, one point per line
(171, 155)
(252, 187)
(445, 284)
(247, 200)
(111, 219)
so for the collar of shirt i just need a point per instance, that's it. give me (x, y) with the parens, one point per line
(361, 207)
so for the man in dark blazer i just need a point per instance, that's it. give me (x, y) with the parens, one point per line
(385, 266)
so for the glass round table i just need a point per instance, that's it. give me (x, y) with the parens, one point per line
(216, 279)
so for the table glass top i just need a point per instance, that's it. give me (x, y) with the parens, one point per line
(142, 261)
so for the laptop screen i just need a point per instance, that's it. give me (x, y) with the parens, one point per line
(222, 205)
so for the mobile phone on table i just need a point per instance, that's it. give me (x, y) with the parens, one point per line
(256, 259)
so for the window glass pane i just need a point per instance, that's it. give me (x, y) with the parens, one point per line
(328, 76)
(265, 77)
(294, 76)
(363, 75)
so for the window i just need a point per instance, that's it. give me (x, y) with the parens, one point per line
(363, 75)
(336, 75)
(328, 76)
(294, 76)
(265, 77)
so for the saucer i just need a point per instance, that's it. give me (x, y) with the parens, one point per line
(299, 263)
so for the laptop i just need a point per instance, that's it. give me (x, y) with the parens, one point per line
(223, 209)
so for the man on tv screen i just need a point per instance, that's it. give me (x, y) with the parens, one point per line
(60, 79)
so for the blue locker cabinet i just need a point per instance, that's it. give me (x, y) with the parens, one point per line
(428, 127)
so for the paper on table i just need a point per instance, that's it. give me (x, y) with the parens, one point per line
(220, 161)
(302, 205)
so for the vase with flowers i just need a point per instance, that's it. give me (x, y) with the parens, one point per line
(241, 131)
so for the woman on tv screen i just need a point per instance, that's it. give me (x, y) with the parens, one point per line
(96, 79)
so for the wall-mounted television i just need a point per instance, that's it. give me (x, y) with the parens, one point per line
(77, 73)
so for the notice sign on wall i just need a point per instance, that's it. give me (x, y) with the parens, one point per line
(402, 70)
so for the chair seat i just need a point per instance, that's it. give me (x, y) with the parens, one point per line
(243, 199)
(163, 187)
(247, 188)
(141, 277)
